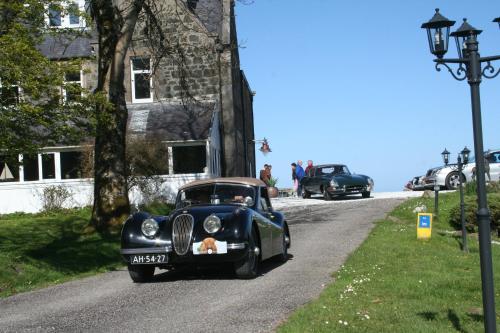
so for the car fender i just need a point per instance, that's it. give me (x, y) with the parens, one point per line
(131, 235)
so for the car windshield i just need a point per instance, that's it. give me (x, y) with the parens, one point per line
(334, 170)
(215, 194)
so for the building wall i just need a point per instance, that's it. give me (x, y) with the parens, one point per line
(237, 104)
(190, 68)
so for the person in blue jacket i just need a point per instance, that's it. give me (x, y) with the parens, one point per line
(299, 171)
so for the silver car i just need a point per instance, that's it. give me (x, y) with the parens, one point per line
(448, 176)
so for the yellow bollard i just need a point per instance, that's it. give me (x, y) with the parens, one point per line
(424, 225)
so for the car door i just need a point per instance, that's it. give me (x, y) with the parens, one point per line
(494, 160)
(274, 223)
(266, 229)
(315, 180)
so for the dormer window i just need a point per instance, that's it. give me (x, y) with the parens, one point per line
(66, 16)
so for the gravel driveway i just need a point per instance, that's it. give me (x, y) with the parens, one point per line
(323, 234)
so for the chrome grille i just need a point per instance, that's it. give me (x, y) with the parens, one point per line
(182, 231)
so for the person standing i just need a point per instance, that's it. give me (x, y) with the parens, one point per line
(265, 174)
(309, 167)
(294, 178)
(299, 171)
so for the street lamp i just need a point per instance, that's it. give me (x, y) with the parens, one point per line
(469, 67)
(497, 20)
(446, 156)
(265, 149)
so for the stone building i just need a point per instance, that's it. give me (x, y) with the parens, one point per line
(195, 100)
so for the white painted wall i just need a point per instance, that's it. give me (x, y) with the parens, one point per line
(27, 197)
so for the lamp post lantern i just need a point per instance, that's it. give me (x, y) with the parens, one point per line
(446, 156)
(497, 20)
(469, 64)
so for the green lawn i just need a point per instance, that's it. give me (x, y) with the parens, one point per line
(37, 250)
(396, 283)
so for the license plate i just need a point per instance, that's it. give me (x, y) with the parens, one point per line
(141, 259)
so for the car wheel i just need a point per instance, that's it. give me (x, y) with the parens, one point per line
(141, 273)
(306, 194)
(452, 181)
(326, 195)
(366, 194)
(248, 267)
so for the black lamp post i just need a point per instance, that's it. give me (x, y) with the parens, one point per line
(463, 158)
(469, 67)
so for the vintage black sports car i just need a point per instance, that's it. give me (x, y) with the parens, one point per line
(221, 220)
(335, 180)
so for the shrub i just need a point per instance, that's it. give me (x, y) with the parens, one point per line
(470, 213)
(54, 197)
(470, 188)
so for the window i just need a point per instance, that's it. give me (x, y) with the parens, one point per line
(55, 16)
(74, 18)
(48, 166)
(9, 94)
(141, 79)
(72, 86)
(9, 171)
(66, 16)
(72, 165)
(189, 159)
(30, 164)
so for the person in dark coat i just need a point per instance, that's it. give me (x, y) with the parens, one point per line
(299, 171)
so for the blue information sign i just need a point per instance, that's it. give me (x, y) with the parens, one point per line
(424, 221)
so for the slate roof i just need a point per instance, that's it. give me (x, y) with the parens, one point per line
(208, 11)
(65, 48)
(171, 122)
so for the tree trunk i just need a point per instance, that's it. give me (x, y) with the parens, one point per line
(115, 21)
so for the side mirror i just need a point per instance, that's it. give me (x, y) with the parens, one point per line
(248, 201)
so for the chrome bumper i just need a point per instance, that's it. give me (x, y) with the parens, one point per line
(168, 248)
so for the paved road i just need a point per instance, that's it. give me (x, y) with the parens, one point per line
(206, 301)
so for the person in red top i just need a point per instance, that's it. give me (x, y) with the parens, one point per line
(309, 167)
(265, 174)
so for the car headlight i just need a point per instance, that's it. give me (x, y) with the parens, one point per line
(333, 183)
(370, 181)
(149, 227)
(212, 224)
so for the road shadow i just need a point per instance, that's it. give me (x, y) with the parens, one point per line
(212, 272)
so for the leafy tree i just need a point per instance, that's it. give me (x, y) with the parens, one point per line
(33, 113)
(115, 22)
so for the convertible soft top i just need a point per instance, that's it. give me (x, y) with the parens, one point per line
(226, 180)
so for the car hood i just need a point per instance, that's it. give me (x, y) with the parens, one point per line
(200, 212)
(350, 180)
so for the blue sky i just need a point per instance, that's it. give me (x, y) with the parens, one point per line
(353, 82)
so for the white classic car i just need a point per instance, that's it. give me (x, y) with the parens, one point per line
(448, 177)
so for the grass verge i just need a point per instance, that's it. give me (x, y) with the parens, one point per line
(38, 250)
(396, 283)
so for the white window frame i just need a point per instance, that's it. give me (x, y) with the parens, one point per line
(80, 82)
(132, 80)
(13, 86)
(65, 17)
